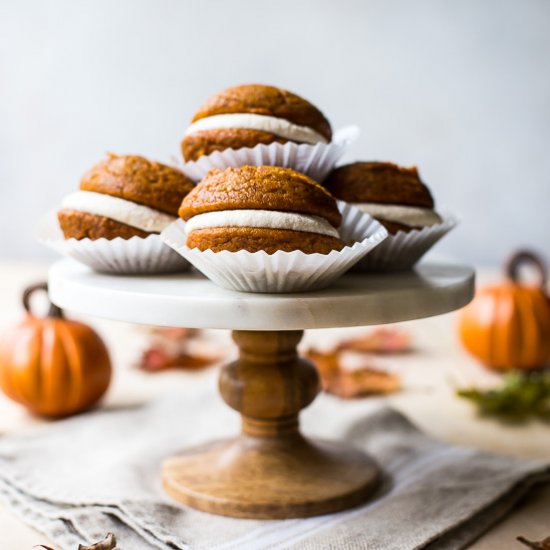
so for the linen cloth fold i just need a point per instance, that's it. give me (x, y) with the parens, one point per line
(79, 478)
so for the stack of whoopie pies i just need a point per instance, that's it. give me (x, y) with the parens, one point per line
(267, 143)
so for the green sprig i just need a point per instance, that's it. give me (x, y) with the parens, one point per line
(520, 397)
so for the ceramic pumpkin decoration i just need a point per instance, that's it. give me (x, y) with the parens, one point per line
(52, 365)
(507, 325)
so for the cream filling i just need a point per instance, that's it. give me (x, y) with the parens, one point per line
(120, 210)
(267, 219)
(278, 126)
(412, 216)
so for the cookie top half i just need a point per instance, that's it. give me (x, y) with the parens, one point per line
(137, 179)
(260, 99)
(260, 188)
(379, 182)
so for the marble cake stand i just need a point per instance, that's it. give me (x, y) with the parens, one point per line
(271, 470)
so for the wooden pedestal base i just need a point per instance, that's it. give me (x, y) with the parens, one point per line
(270, 471)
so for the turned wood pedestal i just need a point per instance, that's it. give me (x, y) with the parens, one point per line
(270, 470)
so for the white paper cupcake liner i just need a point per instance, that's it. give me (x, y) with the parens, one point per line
(401, 251)
(316, 161)
(122, 256)
(282, 271)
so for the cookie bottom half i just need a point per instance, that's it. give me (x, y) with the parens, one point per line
(255, 239)
(81, 225)
(205, 142)
(394, 227)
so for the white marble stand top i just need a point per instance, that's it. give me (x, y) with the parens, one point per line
(190, 300)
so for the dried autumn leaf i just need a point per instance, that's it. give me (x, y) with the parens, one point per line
(380, 340)
(156, 359)
(190, 361)
(364, 381)
(348, 383)
(537, 545)
(176, 348)
(109, 543)
(174, 333)
(328, 364)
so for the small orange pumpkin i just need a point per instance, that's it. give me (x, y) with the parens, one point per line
(507, 326)
(53, 366)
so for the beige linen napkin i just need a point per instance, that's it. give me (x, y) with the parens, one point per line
(79, 478)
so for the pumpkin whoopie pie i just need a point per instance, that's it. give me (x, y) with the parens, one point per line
(244, 116)
(393, 195)
(258, 208)
(123, 196)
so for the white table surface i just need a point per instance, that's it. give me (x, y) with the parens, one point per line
(430, 375)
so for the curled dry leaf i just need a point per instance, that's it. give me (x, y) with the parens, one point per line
(108, 543)
(349, 383)
(537, 545)
(381, 340)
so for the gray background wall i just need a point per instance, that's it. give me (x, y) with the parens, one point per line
(461, 88)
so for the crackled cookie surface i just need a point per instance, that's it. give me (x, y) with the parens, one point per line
(139, 180)
(244, 116)
(260, 188)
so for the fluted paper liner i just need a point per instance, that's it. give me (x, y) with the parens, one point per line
(282, 271)
(316, 161)
(137, 255)
(401, 251)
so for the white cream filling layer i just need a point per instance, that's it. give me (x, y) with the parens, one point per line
(120, 210)
(278, 126)
(267, 219)
(412, 216)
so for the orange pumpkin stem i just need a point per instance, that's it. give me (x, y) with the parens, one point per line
(54, 311)
(526, 257)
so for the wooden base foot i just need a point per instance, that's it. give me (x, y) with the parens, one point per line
(242, 478)
(270, 471)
